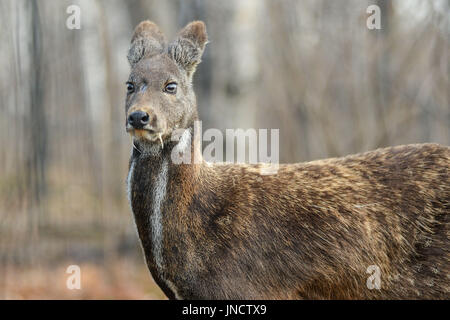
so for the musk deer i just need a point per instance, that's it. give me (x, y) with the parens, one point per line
(313, 230)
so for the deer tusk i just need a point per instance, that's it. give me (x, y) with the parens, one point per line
(160, 139)
(134, 146)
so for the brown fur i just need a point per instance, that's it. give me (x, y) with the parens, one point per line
(308, 232)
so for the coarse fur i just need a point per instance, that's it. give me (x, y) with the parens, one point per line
(224, 231)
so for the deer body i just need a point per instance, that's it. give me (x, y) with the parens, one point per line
(224, 231)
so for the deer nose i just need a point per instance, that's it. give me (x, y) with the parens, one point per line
(138, 119)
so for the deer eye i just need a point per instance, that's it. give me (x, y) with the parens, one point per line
(171, 88)
(130, 87)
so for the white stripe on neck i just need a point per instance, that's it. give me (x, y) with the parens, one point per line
(129, 181)
(159, 193)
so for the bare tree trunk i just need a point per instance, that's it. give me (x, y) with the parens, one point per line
(382, 83)
(37, 126)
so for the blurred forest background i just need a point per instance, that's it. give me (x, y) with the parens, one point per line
(310, 68)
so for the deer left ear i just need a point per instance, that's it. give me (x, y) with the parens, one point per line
(187, 49)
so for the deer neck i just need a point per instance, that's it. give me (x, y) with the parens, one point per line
(158, 190)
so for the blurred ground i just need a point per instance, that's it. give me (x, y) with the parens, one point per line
(117, 279)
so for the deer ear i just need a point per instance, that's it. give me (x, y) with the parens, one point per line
(188, 48)
(147, 40)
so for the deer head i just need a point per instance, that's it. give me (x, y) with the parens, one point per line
(160, 97)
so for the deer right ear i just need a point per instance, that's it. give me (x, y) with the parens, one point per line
(147, 40)
(187, 49)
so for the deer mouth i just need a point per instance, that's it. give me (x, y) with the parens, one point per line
(146, 134)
